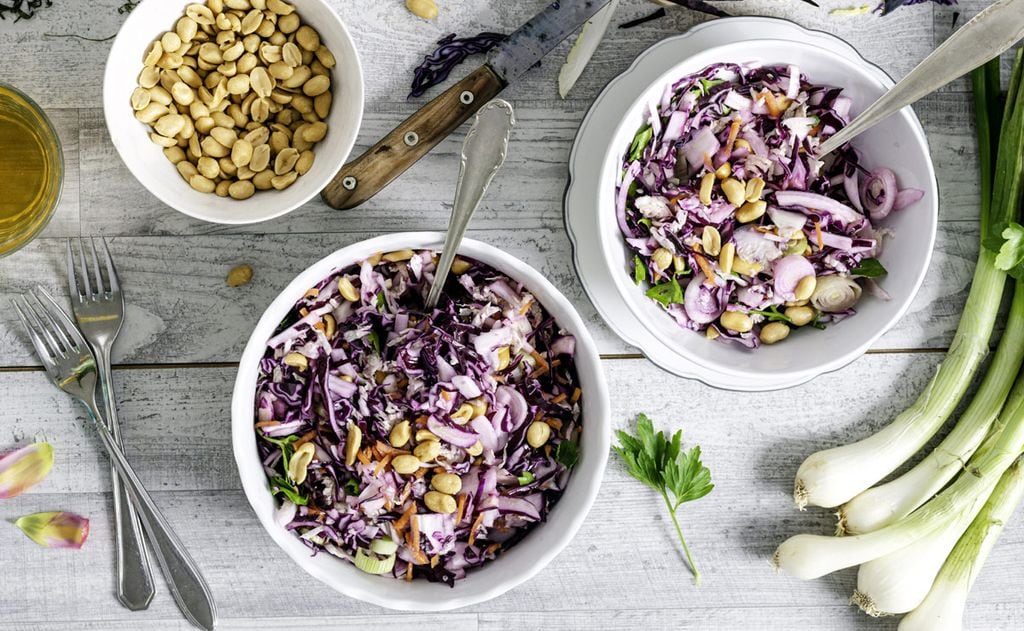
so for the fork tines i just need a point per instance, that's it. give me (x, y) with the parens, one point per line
(53, 334)
(93, 282)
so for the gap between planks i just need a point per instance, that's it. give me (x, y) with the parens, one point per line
(607, 357)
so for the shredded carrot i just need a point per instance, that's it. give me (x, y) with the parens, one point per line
(420, 473)
(406, 516)
(421, 420)
(414, 534)
(439, 470)
(559, 398)
(319, 326)
(734, 131)
(817, 234)
(433, 561)
(408, 572)
(388, 504)
(304, 312)
(555, 423)
(308, 436)
(472, 529)
(312, 293)
(709, 273)
(708, 164)
(537, 357)
(494, 547)
(446, 395)
(364, 456)
(460, 507)
(380, 465)
(576, 395)
(268, 423)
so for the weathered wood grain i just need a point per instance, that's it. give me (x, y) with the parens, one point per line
(177, 429)
(624, 570)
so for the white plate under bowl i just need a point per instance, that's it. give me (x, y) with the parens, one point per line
(147, 162)
(512, 567)
(898, 143)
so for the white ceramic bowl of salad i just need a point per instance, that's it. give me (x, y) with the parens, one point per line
(513, 566)
(156, 173)
(898, 143)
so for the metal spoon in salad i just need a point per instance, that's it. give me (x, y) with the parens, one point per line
(987, 35)
(482, 155)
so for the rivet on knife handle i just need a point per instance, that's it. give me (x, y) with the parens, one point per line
(368, 174)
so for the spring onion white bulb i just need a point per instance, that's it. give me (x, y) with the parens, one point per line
(835, 476)
(943, 608)
(884, 504)
(899, 582)
(812, 556)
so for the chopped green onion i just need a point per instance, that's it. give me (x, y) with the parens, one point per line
(383, 546)
(526, 478)
(372, 565)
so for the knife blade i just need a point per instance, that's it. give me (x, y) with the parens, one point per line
(368, 174)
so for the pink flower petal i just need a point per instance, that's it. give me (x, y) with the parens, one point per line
(55, 530)
(24, 468)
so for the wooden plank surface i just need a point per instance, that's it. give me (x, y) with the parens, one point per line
(187, 328)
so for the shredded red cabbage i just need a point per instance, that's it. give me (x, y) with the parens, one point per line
(733, 131)
(374, 359)
(451, 51)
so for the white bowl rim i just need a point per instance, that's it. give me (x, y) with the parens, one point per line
(585, 483)
(141, 176)
(877, 75)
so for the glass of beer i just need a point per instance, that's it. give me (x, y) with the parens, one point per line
(31, 169)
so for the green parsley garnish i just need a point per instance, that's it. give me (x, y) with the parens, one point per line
(668, 293)
(661, 464)
(869, 268)
(567, 453)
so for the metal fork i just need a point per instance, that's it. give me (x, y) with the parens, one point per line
(99, 311)
(71, 365)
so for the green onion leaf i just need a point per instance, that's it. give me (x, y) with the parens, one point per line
(374, 338)
(279, 484)
(640, 142)
(526, 478)
(639, 270)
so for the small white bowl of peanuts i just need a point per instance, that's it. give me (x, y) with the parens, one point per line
(233, 111)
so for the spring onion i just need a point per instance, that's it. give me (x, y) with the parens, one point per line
(882, 505)
(372, 564)
(943, 608)
(811, 556)
(835, 476)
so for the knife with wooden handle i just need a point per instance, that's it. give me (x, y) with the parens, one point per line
(368, 174)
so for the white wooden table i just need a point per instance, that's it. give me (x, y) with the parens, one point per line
(186, 329)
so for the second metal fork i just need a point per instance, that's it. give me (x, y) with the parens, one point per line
(99, 311)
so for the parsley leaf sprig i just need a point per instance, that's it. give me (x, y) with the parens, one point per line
(661, 464)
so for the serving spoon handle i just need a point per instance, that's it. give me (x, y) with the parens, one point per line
(483, 154)
(988, 34)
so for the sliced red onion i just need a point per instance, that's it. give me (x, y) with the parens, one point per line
(517, 407)
(878, 193)
(674, 127)
(907, 197)
(813, 201)
(836, 241)
(485, 431)
(788, 272)
(451, 434)
(703, 304)
(851, 184)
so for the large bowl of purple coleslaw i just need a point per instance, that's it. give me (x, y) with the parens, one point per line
(733, 242)
(420, 459)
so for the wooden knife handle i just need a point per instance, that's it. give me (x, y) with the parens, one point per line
(368, 174)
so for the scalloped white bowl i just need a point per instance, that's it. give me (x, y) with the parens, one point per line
(151, 168)
(511, 568)
(898, 143)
